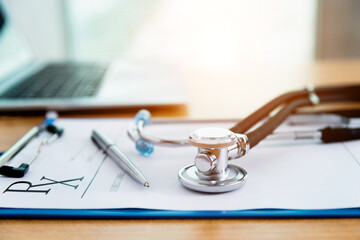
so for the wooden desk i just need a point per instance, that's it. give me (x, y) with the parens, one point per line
(214, 94)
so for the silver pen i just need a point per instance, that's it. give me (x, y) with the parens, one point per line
(114, 152)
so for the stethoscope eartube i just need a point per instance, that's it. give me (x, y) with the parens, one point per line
(210, 171)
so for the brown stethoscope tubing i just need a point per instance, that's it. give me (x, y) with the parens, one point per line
(291, 102)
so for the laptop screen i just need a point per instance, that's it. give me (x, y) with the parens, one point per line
(14, 51)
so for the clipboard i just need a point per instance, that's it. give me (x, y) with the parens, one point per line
(169, 214)
(166, 187)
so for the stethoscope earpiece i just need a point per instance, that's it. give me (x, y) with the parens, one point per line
(143, 118)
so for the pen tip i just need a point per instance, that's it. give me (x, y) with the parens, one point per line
(146, 184)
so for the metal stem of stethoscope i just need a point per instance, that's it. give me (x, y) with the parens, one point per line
(326, 135)
(136, 132)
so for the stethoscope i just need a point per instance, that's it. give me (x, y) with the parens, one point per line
(216, 146)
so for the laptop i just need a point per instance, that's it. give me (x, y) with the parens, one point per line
(27, 84)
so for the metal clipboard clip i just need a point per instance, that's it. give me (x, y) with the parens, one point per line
(6, 157)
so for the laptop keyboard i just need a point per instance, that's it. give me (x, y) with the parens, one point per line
(65, 80)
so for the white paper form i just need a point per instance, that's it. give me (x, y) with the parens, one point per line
(72, 173)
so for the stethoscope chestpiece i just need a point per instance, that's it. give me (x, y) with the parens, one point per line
(211, 172)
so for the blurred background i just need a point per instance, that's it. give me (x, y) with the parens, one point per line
(198, 33)
(203, 33)
(255, 37)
